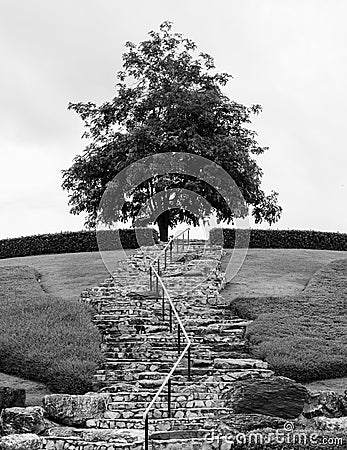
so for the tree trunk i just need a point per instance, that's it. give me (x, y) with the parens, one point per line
(163, 224)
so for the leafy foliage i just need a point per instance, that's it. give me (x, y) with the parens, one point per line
(316, 240)
(168, 99)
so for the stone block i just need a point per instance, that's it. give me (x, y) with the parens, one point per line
(75, 409)
(27, 441)
(276, 396)
(23, 420)
(11, 397)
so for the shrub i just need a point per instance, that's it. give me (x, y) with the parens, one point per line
(74, 242)
(305, 239)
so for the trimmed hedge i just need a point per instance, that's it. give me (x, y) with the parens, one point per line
(74, 242)
(304, 239)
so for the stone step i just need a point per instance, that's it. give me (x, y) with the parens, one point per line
(139, 366)
(144, 355)
(188, 441)
(239, 347)
(177, 436)
(117, 328)
(160, 424)
(93, 439)
(165, 336)
(116, 303)
(102, 381)
(155, 379)
(145, 397)
(161, 413)
(138, 353)
(120, 375)
(145, 352)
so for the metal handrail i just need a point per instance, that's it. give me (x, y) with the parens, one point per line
(167, 379)
(169, 243)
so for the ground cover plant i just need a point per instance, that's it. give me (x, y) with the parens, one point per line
(302, 336)
(45, 337)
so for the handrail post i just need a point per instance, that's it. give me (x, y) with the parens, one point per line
(188, 237)
(158, 279)
(163, 305)
(165, 252)
(170, 319)
(150, 278)
(169, 399)
(183, 241)
(171, 245)
(189, 364)
(157, 286)
(178, 338)
(177, 241)
(146, 434)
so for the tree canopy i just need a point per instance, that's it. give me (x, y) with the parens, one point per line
(168, 98)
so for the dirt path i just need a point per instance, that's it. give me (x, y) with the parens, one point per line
(34, 391)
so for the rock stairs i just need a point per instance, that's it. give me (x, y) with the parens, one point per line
(139, 351)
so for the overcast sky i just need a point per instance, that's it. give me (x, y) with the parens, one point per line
(287, 55)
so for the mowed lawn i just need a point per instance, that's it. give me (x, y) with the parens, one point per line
(66, 275)
(298, 300)
(46, 333)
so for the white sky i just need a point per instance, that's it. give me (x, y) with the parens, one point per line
(287, 55)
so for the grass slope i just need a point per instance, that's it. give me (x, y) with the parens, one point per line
(44, 337)
(302, 336)
(277, 272)
(66, 275)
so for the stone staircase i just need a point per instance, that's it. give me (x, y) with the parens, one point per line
(141, 344)
(140, 350)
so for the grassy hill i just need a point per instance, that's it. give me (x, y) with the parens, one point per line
(66, 275)
(51, 323)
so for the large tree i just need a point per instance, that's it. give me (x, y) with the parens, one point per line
(168, 99)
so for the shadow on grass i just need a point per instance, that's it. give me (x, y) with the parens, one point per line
(45, 338)
(303, 336)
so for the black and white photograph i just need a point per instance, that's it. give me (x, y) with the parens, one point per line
(173, 234)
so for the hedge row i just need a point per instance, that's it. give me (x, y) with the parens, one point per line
(73, 242)
(305, 239)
